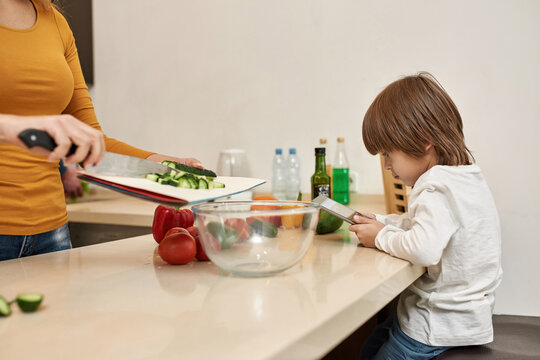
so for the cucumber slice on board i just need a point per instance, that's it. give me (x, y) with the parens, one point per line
(189, 169)
(29, 302)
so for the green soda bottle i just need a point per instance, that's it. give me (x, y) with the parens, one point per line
(320, 181)
(341, 174)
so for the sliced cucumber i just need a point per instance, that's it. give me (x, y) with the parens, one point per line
(184, 183)
(163, 181)
(185, 177)
(189, 169)
(29, 302)
(218, 185)
(5, 309)
(203, 184)
(152, 177)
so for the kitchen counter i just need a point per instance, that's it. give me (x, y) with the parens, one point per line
(109, 207)
(119, 300)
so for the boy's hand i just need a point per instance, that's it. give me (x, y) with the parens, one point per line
(366, 230)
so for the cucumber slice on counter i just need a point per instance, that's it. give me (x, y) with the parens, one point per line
(5, 309)
(29, 302)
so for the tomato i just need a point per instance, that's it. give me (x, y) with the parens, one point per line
(239, 225)
(212, 242)
(193, 231)
(201, 254)
(178, 248)
(276, 220)
(176, 230)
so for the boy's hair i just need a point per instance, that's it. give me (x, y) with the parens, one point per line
(411, 113)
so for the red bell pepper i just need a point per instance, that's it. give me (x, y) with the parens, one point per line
(165, 218)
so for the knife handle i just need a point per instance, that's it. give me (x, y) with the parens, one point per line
(34, 137)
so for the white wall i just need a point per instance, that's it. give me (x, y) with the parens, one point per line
(190, 78)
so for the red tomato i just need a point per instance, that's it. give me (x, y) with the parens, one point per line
(178, 248)
(175, 230)
(193, 231)
(239, 225)
(201, 254)
(212, 242)
(276, 220)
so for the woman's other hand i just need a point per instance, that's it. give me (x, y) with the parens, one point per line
(186, 161)
(64, 129)
(72, 184)
(366, 230)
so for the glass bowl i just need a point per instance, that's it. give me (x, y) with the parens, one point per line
(256, 238)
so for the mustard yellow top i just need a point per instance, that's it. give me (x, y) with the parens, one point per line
(40, 74)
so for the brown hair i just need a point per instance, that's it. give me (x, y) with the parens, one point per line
(411, 113)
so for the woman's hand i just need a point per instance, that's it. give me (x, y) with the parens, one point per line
(366, 230)
(64, 129)
(72, 184)
(186, 161)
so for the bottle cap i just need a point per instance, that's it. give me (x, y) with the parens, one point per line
(292, 151)
(279, 151)
(320, 150)
(340, 139)
(322, 141)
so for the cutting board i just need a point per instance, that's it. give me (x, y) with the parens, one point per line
(169, 195)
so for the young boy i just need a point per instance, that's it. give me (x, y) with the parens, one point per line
(451, 228)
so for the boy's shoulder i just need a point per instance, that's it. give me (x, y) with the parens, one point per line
(444, 177)
(446, 172)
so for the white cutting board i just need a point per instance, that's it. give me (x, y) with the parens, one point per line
(233, 185)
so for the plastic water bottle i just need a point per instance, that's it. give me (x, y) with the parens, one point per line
(292, 164)
(278, 176)
(340, 174)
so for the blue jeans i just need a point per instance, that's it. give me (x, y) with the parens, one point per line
(389, 342)
(16, 246)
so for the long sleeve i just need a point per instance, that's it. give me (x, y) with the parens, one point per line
(431, 228)
(81, 106)
(401, 221)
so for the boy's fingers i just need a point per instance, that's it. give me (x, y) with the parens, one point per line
(359, 219)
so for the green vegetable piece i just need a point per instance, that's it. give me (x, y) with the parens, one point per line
(5, 309)
(226, 235)
(29, 302)
(203, 184)
(263, 228)
(189, 169)
(85, 187)
(218, 185)
(306, 221)
(328, 223)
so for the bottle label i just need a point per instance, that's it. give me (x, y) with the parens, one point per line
(322, 190)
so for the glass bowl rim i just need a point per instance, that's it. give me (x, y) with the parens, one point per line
(295, 207)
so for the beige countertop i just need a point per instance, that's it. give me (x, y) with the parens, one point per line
(119, 300)
(109, 207)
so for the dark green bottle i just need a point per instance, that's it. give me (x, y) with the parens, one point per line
(320, 181)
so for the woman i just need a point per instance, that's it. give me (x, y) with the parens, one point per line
(42, 87)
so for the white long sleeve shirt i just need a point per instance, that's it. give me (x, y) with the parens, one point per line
(452, 228)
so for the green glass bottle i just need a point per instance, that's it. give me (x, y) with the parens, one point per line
(320, 181)
(340, 174)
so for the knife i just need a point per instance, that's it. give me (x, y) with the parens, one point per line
(111, 164)
(337, 209)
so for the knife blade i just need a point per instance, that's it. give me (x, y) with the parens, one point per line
(337, 209)
(111, 164)
(123, 165)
